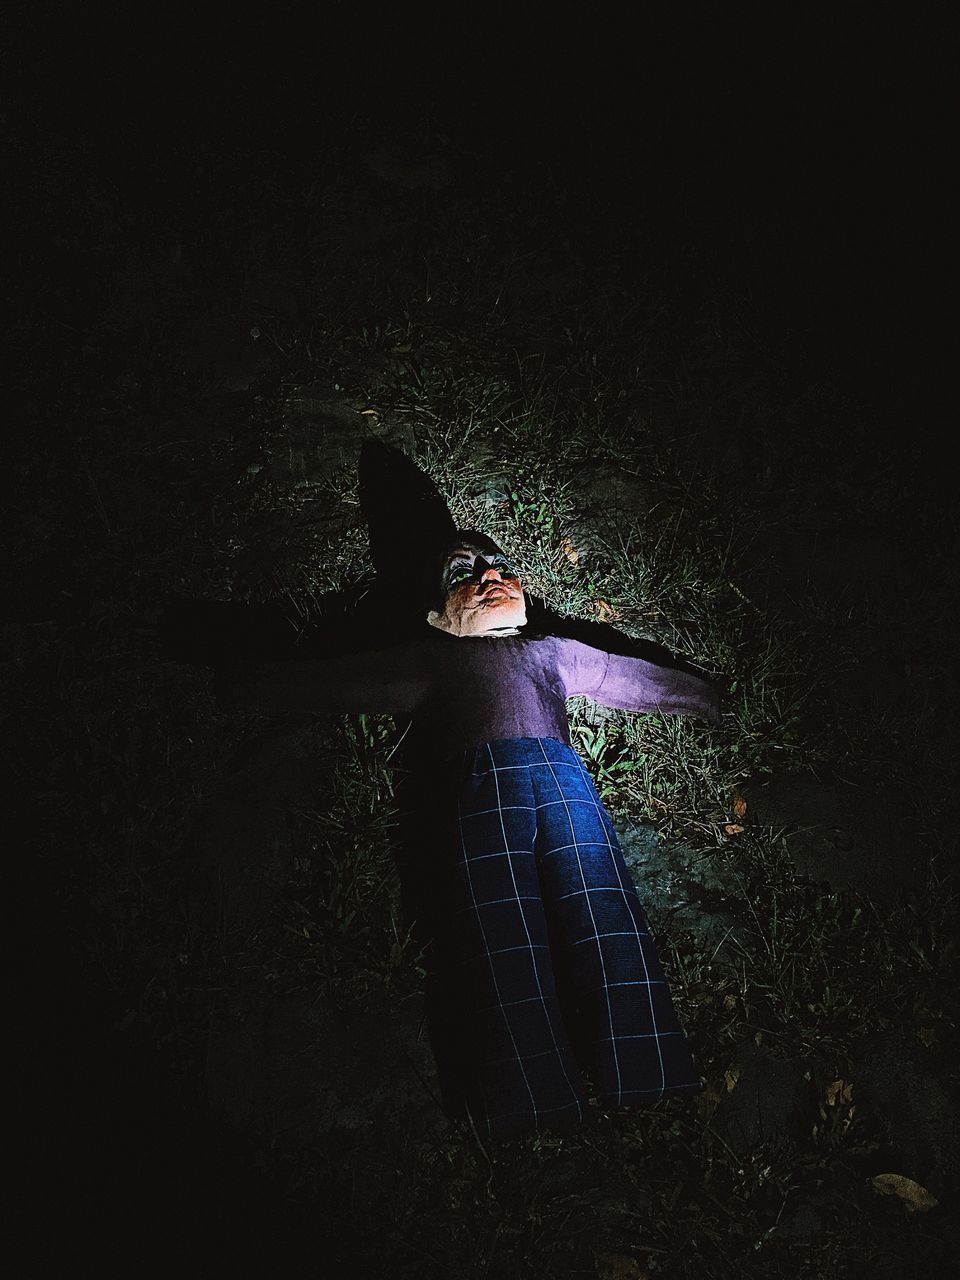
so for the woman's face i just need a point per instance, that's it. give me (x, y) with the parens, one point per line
(482, 595)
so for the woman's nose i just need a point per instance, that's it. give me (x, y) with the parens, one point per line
(488, 571)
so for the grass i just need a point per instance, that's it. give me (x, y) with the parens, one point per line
(512, 367)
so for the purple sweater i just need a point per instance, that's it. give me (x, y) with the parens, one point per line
(467, 691)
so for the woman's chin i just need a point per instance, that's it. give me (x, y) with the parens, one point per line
(495, 616)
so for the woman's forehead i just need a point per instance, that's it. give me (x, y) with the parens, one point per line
(466, 551)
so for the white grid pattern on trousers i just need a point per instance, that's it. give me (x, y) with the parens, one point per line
(541, 935)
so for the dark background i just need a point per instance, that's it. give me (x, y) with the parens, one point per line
(799, 152)
(804, 149)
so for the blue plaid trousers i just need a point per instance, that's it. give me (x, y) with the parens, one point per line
(544, 972)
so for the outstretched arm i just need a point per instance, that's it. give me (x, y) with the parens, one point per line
(389, 680)
(634, 684)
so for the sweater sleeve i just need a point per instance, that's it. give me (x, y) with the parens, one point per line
(388, 680)
(634, 684)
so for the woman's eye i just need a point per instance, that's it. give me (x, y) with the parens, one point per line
(464, 572)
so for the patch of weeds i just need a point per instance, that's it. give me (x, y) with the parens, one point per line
(606, 756)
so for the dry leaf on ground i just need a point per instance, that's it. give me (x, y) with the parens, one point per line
(739, 804)
(570, 551)
(732, 828)
(838, 1091)
(708, 1100)
(619, 1266)
(909, 1193)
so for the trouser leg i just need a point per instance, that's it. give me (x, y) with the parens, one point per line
(494, 993)
(627, 1029)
